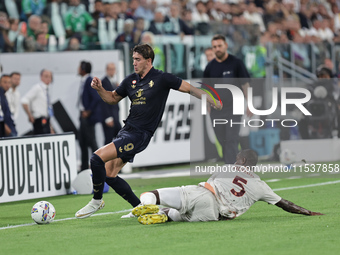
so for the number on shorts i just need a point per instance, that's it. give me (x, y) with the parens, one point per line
(237, 180)
(128, 147)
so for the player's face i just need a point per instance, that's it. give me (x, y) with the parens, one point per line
(46, 77)
(15, 79)
(111, 69)
(140, 64)
(219, 48)
(6, 83)
(239, 160)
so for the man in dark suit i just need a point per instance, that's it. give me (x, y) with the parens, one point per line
(110, 113)
(7, 126)
(89, 104)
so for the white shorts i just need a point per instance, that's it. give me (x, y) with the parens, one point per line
(198, 204)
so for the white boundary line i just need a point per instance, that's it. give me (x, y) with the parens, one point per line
(307, 186)
(128, 210)
(73, 218)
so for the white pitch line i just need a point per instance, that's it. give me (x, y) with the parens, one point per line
(72, 218)
(128, 210)
(308, 186)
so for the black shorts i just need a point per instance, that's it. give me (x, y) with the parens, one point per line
(130, 141)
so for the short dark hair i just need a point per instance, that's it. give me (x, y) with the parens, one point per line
(15, 73)
(86, 66)
(145, 50)
(323, 71)
(250, 156)
(3, 76)
(218, 37)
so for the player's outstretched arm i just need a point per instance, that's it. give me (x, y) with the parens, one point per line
(293, 208)
(188, 88)
(109, 97)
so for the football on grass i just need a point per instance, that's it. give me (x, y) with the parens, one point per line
(43, 212)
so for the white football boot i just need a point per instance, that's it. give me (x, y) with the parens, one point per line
(90, 208)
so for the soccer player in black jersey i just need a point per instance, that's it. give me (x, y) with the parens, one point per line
(148, 90)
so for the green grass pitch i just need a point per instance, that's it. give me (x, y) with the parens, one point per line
(264, 229)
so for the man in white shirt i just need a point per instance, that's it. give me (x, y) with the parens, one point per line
(13, 95)
(37, 104)
(225, 196)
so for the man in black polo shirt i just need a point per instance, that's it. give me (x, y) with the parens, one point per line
(148, 90)
(226, 69)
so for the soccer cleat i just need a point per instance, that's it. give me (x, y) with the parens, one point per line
(144, 209)
(155, 218)
(89, 209)
(129, 215)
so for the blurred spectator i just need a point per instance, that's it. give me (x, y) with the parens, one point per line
(212, 10)
(110, 121)
(235, 10)
(252, 15)
(38, 106)
(138, 30)
(159, 60)
(305, 14)
(300, 52)
(13, 32)
(187, 18)
(10, 35)
(79, 21)
(13, 95)
(200, 15)
(7, 126)
(4, 26)
(98, 10)
(54, 11)
(288, 9)
(272, 12)
(73, 44)
(41, 44)
(34, 25)
(157, 25)
(124, 10)
(144, 10)
(11, 7)
(127, 35)
(30, 7)
(132, 7)
(175, 25)
(206, 57)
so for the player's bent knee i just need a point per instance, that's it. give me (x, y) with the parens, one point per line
(96, 160)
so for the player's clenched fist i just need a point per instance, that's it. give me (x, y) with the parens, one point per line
(96, 83)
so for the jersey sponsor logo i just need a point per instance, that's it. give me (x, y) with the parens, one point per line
(151, 83)
(133, 86)
(139, 93)
(120, 149)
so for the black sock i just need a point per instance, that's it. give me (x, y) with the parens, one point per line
(123, 189)
(98, 176)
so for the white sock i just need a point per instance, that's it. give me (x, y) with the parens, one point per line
(148, 198)
(170, 197)
(174, 215)
(96, 201)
